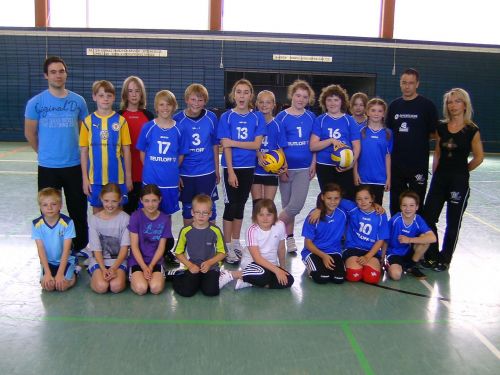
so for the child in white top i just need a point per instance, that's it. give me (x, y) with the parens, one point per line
(263, 260)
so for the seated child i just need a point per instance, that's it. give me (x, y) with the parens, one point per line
(407, 228)
(201, 249)
(149, 229)
(109, 241)
(263, 260)
(53, 233)
(322, 252)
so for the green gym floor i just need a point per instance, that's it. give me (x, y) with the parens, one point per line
(447, 324)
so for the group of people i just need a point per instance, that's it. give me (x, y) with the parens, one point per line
(134, 168)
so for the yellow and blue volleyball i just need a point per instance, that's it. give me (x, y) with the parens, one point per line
(342, 156)
(274, 161)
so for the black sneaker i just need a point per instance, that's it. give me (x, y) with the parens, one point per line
(414, 271)
(429, 264)
(440, 267)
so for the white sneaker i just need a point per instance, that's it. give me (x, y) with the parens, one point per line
(291, 247)
(238, 249)
(231, 256)
(240, 284)
(225, 278)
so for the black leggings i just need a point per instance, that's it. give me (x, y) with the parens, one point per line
(452, 189)
(328, 173)
(407, 180)
(187, 284)
(236, 198)
(260, 276)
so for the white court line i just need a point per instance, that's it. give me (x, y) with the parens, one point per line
(482, 221)
(17, 172)
(17, 161)
(484, 340)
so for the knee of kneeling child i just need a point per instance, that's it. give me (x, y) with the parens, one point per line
(370, 275)
(354, 274)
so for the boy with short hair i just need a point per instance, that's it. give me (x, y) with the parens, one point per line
(105, 147)
(407, 229)
(200, 169)
(53, 233)
(201, 249)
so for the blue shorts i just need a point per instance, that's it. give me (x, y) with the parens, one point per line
(94, 200)
(198, 185)
(96, 266)
(169, 200)
(69, 272)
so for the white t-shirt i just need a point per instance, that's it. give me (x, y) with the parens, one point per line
(267, 241)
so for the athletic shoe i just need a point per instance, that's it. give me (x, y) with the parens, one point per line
(225, 278)
(240, 284)
(440, 267)
(414, 271)
(231, 257)
(428, 264)
(238, 249)
(78, 269)
(291, 247)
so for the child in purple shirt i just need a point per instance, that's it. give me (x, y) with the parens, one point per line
(149, 230)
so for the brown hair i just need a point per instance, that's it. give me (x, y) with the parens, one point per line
(372, 102)
(202, 199)
(110, 188)
(150, 189)
(301, 85)
(242, 81)
(269, 205)
(106, 85)
(358, 95)
(334, 90)
(330, 187)
(409, 194)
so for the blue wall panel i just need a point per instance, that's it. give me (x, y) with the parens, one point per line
(197, 58)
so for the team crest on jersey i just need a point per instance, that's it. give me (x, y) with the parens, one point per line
(115, 126)
(403, 128)
(104, 134)
(420, 179)
(455, 197)
(396, 116)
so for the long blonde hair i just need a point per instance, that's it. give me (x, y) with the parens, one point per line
(463, 96)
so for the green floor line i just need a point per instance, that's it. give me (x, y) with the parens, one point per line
(292, 322)
(365, 365)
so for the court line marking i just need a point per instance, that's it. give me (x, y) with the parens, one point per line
(494, 227)
(483, 339)
(207, 322)
(17, 172)
(17, 161)
(14, 150)
(360, 355)
(410, 293)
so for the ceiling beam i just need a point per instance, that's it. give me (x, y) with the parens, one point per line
(42, 13)
(216, 11)
(387, 10)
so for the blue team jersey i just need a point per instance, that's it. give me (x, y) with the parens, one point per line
(363, 228)
(162, 148)
(58, 127)
(53, 237)
(374, 148)
(274, 139)
(398, 227)
(297, 131)
(343, 129)
(326, 234)
(241, 128)
(202, 134)
(105, 136)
